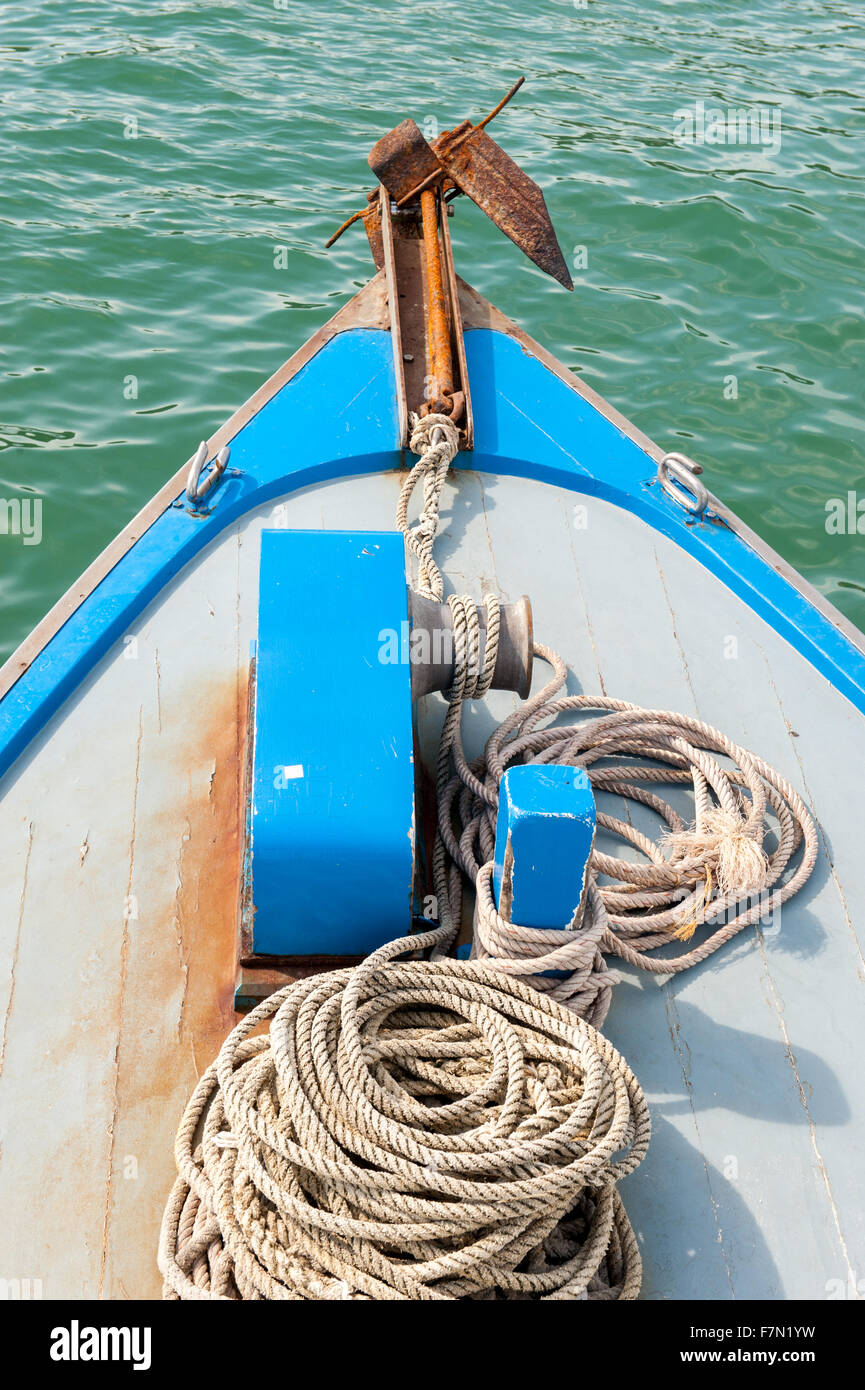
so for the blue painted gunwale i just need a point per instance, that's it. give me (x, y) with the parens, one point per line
(336, 418)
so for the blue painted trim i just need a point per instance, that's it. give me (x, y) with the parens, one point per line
(337, 417)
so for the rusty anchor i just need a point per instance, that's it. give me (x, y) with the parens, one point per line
(406, 224)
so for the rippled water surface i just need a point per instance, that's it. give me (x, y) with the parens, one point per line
(153, 155)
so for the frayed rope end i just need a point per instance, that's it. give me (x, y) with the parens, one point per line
(738, 863)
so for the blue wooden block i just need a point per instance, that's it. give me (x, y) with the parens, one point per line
(332, 817)
(545, 831)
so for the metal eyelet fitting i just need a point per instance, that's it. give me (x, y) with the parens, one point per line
(677, 475)
(196, 491)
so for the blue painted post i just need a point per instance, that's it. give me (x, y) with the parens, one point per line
(544, 836)
(332, 820)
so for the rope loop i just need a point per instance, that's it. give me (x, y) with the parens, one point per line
(717, 873)
(565, 963)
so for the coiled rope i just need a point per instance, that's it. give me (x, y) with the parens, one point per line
(408, 1129)
(718, 872)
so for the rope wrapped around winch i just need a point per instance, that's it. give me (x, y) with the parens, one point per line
(408, 1129)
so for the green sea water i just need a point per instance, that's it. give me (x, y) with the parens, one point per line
(154, 156)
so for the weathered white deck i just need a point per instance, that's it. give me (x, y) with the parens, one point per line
(118, 898)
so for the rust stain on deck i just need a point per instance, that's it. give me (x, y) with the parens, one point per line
(211, 860)
(177, 994)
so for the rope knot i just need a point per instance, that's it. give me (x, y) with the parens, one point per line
(723, 842)
(421, 439)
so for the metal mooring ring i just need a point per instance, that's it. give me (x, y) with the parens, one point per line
(677, 476)
(195, 492)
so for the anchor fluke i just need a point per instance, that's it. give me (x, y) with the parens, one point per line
(482, 169)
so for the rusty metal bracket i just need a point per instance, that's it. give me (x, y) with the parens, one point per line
(400, 357)
(406, 254)
(460, 369)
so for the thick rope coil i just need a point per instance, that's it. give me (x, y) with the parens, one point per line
(408, 1129)
(718, 872)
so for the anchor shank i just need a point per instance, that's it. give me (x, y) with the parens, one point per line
(440, 386)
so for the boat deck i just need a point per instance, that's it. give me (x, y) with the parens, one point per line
(119, 883)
